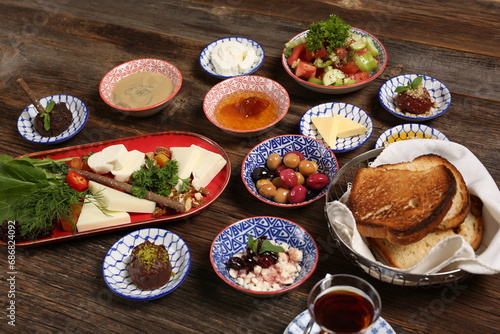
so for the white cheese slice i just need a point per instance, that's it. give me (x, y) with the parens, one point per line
(187, 159)
(116, 155)
(209, 165)
(246, 65)
(97, 164)
(115, 200)
(92, 217)
(135, 161)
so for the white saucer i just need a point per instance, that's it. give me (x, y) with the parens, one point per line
(299, 324)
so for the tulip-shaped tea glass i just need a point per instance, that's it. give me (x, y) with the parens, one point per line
(344, 304)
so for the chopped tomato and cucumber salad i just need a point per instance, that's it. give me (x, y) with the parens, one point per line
(331, 55)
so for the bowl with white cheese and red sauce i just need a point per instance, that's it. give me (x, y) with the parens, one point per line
(291, 268)
(231, 56)
(141, 87)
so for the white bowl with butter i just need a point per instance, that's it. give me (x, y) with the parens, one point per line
(141, 87)
(341, 126)
(232, 56)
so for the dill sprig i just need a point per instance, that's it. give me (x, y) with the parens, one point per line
(37, 212)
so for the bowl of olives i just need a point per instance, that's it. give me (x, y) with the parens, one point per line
(289, 170)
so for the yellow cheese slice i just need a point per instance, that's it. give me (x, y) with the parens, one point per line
(337, 126)
(348, 127)
(324, 125)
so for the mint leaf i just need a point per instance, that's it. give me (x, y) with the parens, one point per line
(50, 106)
(416, 82)
(266, 246)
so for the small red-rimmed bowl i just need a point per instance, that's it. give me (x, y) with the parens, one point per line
(111, 78)
(246, 83)
(311, 149)
(381, 58)
(234, 239)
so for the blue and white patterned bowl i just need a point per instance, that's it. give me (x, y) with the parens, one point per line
(328, 109)
(437, 90)
(115, 264)
(312, 149)
(300, 323)
(234, 238)
(77, 107)
(205, 56)
(408, 131)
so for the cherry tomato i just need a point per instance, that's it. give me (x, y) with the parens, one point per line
(77, 181)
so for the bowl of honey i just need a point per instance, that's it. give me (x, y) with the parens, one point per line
(246, 106)
(408, 131)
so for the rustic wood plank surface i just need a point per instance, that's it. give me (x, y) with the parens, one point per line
(67, 46)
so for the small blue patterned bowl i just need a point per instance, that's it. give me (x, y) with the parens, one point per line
(115, 264)
(408, 131)
(312, 149)
(206, 54)
(437, 90)
(328, 109)
(234, 238)
(78, 109)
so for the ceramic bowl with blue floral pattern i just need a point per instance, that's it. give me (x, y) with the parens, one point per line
(78, 109)
(115, 265)
(206, 56)
(408, 131)
(437, 90)
(311, 149)
(234, 239)
(346, 110)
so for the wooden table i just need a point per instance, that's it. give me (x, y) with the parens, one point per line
(67, 47)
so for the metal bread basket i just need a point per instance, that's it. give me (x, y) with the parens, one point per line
(337, 188)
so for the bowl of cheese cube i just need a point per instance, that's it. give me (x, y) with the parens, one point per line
(231, 56)
(341, 126)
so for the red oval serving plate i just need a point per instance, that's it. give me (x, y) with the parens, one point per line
(144, 143)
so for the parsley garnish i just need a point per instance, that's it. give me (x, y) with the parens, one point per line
(409, 86)
(332, 33)
(156, 179)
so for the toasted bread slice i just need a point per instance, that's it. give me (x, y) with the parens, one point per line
(461, 201)
(400, 205)
(406, 256)
(472, 228)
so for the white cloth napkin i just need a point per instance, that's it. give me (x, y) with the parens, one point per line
(453, 252)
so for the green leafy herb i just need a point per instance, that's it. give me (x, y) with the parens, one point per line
(159, 180)
(34, 193)
(266, 246)
(410, 85)
(332, 33)
(46, 115)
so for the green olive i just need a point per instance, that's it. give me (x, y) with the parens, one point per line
(291, 160)
(281, 195)
(307, 167)
(268, 190)
(274, 161)
(261, 183)
(277, 182)
(300, 178)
